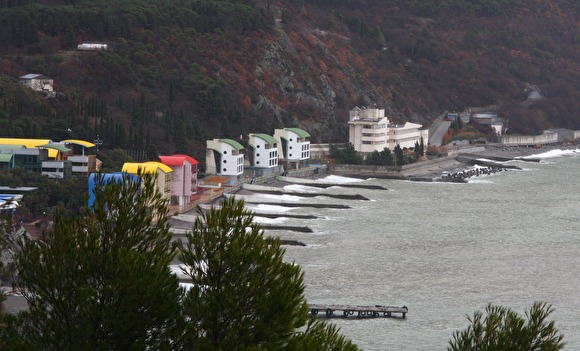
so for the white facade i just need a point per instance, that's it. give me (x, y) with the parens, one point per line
(224, 157)
(57, 169)
(92, 47)
(37, 82)
(265, 154)
(293, 144)
(406, 135)
(369, 130)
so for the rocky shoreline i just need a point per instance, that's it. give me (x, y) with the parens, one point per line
(498, 153)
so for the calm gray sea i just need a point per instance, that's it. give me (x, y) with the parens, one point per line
(446, 250)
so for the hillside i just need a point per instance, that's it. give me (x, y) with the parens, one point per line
(179, 72)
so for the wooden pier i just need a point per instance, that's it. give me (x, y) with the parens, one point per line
(346, 311)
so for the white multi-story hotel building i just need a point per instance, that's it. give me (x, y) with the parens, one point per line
(369, 130)
(225, 157)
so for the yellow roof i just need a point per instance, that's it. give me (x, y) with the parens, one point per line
(30, 144)
(79, 142)
(146, 167)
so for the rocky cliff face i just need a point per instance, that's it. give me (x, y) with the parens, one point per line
(314, 85)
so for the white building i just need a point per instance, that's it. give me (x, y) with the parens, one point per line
(406, 135)
(225, 157)
(293, 147)
(92, 47)
(83, 157)
(369, 130)
(265, 150)
(38, 82)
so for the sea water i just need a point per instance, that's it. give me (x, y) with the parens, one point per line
(447, 250)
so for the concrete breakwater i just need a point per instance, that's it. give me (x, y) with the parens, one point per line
(476, 172)
(280, 191)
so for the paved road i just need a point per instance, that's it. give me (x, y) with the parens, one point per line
(437, 130)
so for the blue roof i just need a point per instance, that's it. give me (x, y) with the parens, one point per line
(106, 178)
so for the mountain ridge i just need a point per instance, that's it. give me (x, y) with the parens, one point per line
(181, 72)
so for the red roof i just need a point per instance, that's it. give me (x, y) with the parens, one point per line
(191, 160)
(177, 160)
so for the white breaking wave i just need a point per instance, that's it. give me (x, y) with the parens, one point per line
(266, 197)
(268, 208)
(553, 154)
(340, 179)
(266, 220)
(301, 188)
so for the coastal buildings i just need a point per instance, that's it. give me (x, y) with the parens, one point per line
(160, 170)
(369, 130)
(82, 155)
(54, 159)
(183, 178)
(293, 147)
(490, 119)
(406, 135)
(263, 156)
(225, 157)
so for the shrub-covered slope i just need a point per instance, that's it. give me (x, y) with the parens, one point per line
(181, 71)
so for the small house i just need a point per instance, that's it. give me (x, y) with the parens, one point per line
(38, 82)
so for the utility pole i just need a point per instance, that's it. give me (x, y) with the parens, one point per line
(98, 142)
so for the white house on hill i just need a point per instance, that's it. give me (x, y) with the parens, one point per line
(38, 82)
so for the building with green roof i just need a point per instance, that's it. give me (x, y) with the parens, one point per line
(263, 157)
(293, 147)
(225, 157)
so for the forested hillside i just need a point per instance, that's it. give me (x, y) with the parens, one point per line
(179, 72)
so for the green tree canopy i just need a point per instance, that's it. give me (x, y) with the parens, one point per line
(503, 329)
(399, 156)
(244, 296)
(348, 155)
(384, 158)
(102, 281)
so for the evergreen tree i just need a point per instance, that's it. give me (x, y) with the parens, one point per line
(503, 329)
(383, 158)
(244, 296)
(374, 158)
(100, 282)
(387, 156)
(399, 156)
(348, 155)
(417, 150)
